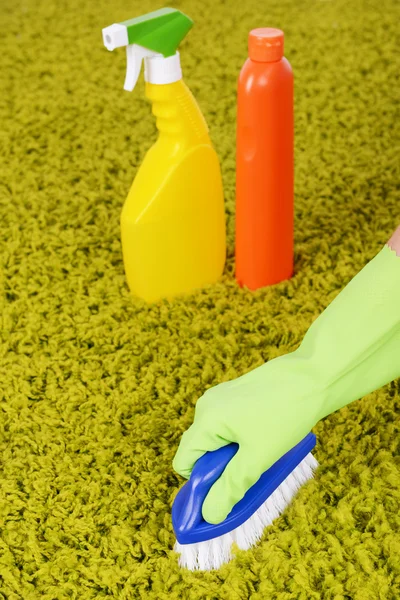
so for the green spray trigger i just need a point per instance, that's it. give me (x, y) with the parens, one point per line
(158, 33)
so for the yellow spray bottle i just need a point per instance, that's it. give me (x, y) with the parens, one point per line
(173, 220)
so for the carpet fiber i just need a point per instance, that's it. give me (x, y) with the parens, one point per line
(97, 387)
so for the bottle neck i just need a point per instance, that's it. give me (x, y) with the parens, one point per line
(178, 114)
(161, 70)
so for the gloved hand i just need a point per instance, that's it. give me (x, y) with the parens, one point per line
(350, 350)
(267, 411)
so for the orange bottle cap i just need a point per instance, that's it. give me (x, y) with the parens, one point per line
(266, 44)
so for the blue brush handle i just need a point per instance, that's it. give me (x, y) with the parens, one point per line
(205, 473)
(187, 519)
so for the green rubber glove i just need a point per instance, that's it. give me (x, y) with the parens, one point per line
(350, 350)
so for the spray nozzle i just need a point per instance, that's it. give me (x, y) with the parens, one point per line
(157, 34)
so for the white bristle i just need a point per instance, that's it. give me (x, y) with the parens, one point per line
(212, 554)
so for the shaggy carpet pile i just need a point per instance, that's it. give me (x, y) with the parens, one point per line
(97, 387)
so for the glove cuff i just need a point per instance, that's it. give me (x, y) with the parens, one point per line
(354, 345)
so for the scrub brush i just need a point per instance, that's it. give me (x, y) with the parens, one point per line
(203, 546)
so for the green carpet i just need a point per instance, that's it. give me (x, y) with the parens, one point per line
(97, 387)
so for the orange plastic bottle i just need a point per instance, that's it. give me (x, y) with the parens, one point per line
(264, 163)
